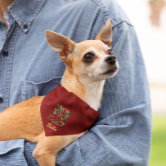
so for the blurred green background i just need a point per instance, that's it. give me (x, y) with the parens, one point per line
(158, 149)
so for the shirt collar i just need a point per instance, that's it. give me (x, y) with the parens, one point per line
(24, 12)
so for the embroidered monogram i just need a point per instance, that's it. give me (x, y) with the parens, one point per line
(52, 127)
(59, 115)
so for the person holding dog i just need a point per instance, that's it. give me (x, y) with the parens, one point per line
(122, 133)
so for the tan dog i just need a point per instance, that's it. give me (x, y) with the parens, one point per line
(88, 65)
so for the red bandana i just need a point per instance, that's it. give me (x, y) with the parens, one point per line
(63, 113)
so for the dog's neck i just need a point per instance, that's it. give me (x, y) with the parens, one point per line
(88, 90)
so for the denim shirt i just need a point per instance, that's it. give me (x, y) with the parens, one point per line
(28, 67)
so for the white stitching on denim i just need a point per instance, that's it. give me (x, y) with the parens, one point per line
(29, 20)
(9, 66)
(106, 15)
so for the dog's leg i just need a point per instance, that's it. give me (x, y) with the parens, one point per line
(44, 152)
(43, 157)
(48, 147)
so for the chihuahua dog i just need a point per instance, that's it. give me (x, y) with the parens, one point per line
(88, 65)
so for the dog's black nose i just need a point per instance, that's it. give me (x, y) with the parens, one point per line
(111, 60)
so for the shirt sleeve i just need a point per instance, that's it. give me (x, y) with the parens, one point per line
(122, 134)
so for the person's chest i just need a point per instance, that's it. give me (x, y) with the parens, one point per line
(31, 68)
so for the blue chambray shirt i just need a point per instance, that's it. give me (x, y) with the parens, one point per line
(28, 67)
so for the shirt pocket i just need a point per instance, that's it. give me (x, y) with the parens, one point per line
(11, 150)
(30, 88)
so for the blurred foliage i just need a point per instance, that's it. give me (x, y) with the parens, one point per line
(158, 150)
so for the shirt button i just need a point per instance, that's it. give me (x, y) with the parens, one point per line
(5, 52)
(25, 26)
(1, 100)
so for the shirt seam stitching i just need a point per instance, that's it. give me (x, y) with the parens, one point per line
(10, 66)
(106, 15)
(29, 20)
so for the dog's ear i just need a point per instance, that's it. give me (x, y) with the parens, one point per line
(105, 35)
(60, 43)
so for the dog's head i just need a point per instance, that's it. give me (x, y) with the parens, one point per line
(90, 58)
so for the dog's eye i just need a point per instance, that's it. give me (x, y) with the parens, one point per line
(89, 57)
(110, 52)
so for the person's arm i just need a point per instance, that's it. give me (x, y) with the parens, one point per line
(122, 134)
